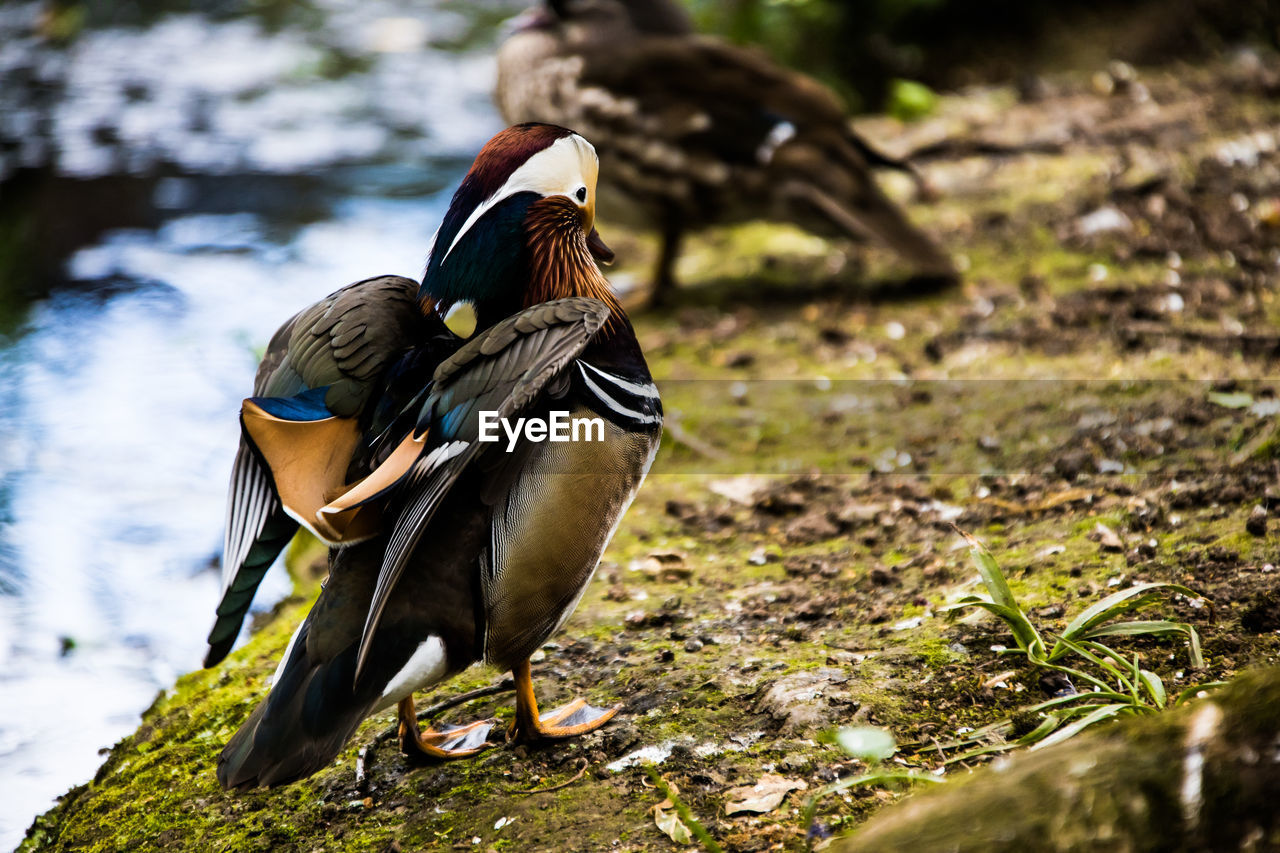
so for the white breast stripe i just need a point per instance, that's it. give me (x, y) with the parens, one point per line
(638, 417)
(638, 390)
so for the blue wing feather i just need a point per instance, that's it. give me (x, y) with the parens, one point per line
(307, 406)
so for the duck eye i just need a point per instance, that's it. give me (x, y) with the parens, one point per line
(581, 194)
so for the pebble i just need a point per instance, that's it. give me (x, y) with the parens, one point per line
(1102, 220)
(1257, 523)
(693, 645)
(881, 576)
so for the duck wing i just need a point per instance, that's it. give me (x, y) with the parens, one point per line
(501, 370)
(313, 394)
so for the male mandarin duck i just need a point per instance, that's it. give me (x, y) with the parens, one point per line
(446, 549)
(692, 131)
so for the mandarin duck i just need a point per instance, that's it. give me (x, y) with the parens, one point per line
(692, 131)
(368, 427)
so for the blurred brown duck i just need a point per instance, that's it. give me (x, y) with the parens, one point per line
(693, 132)
(368, 428)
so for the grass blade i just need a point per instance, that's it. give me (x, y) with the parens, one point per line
(874, 777)
(1084, 700)
(1108, 608)
(1040, 732)
(1024, 632)
(1119, 603)
(1154, 687)
(1072, 729)
(992, 577)
(1193, 691)
(1085, 651)
(1155, 626)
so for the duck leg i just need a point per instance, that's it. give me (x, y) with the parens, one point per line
(447, 742)
(570, 720)
(664, 274)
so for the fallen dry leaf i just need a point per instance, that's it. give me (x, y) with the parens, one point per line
(762, 797)
(669, 821)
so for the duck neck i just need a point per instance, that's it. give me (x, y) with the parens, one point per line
(560, 264)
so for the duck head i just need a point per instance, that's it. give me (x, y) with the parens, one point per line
(521, 228)
(616, 17)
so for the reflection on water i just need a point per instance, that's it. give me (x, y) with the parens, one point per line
(271, 168)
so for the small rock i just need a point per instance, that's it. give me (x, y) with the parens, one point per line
(881, 576)
(813, 527)
(693, 645)
(1262, 613)
(1072, 463)
(682, 510)
(1257, 523)
(796, 763)
(1032, 88)
(1121, 72)
(802, 701)
(1107, 538)
(1102, 220)
(797, 566)
(664, 566)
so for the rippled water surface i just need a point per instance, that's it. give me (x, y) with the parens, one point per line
(204, 179)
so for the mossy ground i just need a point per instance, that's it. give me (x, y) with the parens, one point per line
(781, 572)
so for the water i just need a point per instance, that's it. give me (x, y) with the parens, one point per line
(261, 170)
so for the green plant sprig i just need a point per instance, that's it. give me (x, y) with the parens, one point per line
(1119, 685)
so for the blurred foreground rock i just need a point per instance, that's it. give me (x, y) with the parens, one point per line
(1203, 778)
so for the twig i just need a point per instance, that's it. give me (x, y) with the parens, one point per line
(503, 686)
(957, 149)
(581, 770)
(676, 430)
(941, 752)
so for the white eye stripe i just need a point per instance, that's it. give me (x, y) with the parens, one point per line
(563, 167)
